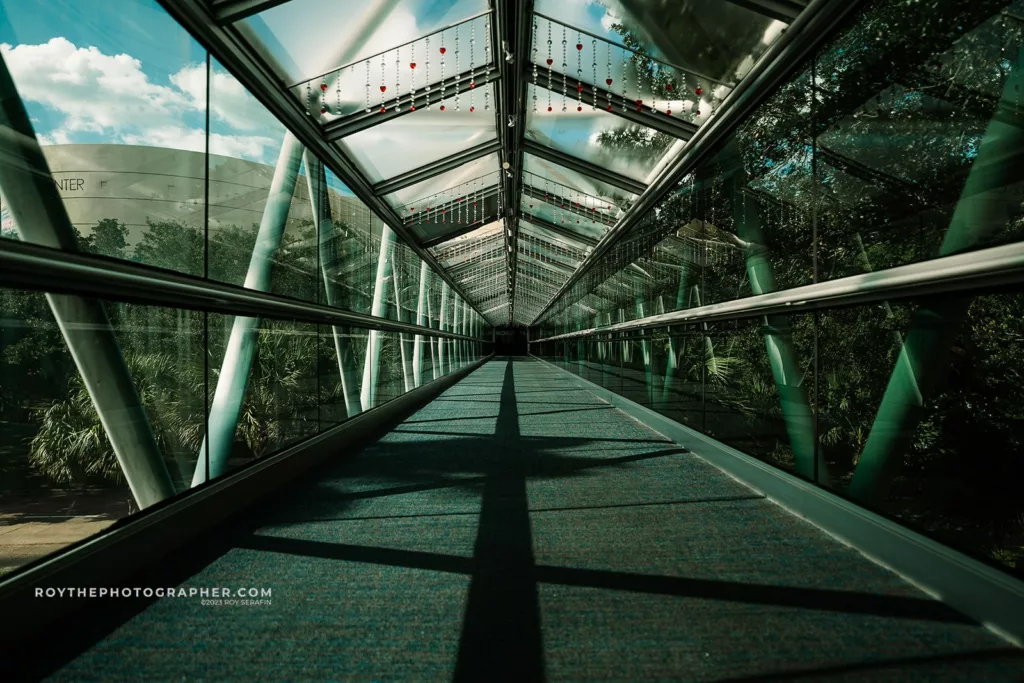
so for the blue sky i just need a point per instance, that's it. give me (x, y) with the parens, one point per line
(92, 71)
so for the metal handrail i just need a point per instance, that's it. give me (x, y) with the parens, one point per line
(975, 270)
(45, 269)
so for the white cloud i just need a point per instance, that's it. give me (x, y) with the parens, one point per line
(230, 101)
(111, 95)
(194, 140)
(55, 137)
(95, 92)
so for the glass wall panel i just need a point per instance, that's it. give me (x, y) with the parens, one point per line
(61, 479)
(595, 136)
(921, 415)
(340, 368)
(419, 138)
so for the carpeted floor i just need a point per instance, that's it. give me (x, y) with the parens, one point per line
(517, 528)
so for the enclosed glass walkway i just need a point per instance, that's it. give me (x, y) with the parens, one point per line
(512, 340)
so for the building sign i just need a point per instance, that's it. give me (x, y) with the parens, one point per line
(69, 184)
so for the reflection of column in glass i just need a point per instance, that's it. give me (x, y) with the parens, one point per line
(378, 309)
(319, 197)
(645, 350)
(403, 338)
(421, 320)
(434, 368)
(443, 326)
(626, 355)
(984, 209)
(778, 339)
(456, 343)
(672, 362)
(40, 217)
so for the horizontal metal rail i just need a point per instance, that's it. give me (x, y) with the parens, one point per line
(44, 269)
(458, 84)
(644, 115)
(958, 274)
(778, 63)
(427, 171)
(559, 230)
(572, 163)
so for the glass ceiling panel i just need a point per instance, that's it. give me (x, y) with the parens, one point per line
(555, 173)
(579, 225)
(304, 38)
(718, 39)
(418, 138)
(470, 241)
(480, 174)
(596, 136)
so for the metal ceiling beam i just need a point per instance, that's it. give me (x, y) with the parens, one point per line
(464, 230)
(361, 120)
(227, 11)
(228, 47)
(596, 217)
(780, 10)
(627, 109)
(558, 230)
(512, 26)
(427, 171)
(585, 167)
(785, 56)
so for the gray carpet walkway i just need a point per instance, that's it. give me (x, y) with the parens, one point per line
(517, 528)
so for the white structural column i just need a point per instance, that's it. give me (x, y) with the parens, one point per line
(319, 197)
(375, 338)
(241, 347)
(421, 320)
(40, 217)
(442, 343)
(396, 276)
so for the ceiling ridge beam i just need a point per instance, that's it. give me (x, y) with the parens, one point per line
(585, 167)
(512, 32)
(428, 171)
(783, 58)
(361, 120)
